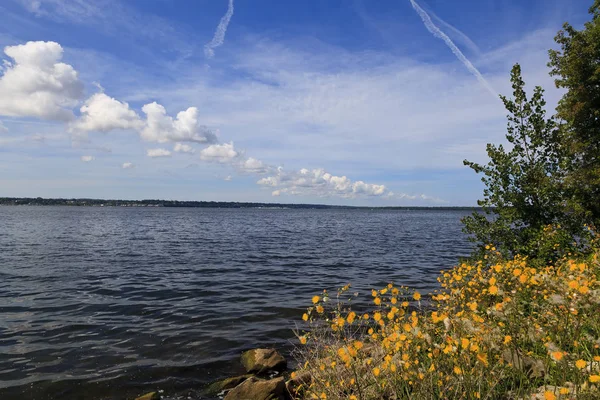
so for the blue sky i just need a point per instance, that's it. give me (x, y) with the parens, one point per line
(322, 101)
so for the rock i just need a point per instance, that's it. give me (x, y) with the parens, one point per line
(302, 378)
(225, 384)
(260, 361)
(149, 396)
(535, 368)
(258, 389)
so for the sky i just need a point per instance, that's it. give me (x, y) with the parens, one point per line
(353, 102)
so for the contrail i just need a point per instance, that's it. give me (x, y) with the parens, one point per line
(431, 27)
(459, 35)
(219, 36)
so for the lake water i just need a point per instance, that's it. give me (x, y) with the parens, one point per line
(110, 302)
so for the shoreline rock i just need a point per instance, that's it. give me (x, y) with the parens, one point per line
(258, 389)
(262, 361)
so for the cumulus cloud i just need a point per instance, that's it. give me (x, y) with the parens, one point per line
(128, 165)
(228, 178)
(37, 84)
(104, 113)
(3, 128)
(183, 148)
(158, 153)
(318, 182)
(162, 128)
(87, 158)
(222, 153)
(226, 153)
(254, 166)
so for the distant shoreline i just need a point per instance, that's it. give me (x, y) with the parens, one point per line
(83, 202)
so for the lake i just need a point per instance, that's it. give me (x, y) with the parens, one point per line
(111, 302)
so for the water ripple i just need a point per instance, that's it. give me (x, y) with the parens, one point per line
(108, 301)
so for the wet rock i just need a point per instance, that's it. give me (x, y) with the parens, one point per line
(149, 396)
(258, 389)
(261, 361)
(302, 378)
(225, 384)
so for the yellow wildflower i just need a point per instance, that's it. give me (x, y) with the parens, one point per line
(574, 284)
(483, 359)
(580, 364)
(549, 396)
(351, 317)
(315, 299)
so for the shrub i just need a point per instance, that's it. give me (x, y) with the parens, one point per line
(496, 329)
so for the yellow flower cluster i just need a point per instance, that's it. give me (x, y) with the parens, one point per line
(494, 328)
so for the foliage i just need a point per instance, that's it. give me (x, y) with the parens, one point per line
(577, 68)
(522, 184)
(509, 331)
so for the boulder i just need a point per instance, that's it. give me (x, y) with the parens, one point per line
(258, 389)
(261, 361)
(534, 368)
(149, 396)
(225, 384)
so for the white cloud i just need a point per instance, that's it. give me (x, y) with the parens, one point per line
(183, 148)
(222, 153)
(158, 153)
(228, 178)
(318, 182)
(87, 158)
(37, 84)
(128, 165)
(253, 165)
(3, 128)
(162, 128)
(103, 113)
